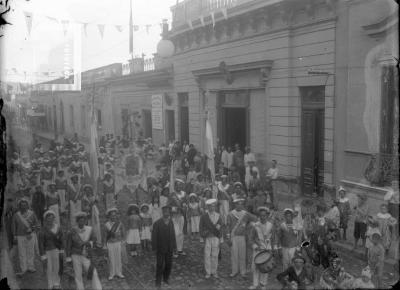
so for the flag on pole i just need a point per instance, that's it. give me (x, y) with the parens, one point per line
(210, 150)
(101, 30)
(28, 19)
(93, 149)
(130, 30)
(213, 19)
(172, 178)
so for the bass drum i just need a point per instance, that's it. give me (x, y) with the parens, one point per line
(264, 261)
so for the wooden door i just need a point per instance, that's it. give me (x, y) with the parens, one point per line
(170, 120)
(308, 151)
(184, 120)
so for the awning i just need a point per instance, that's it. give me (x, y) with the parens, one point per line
(32, 113)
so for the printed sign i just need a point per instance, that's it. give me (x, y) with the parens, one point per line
(157, 111)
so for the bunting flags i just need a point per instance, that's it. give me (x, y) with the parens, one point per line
(101, 30)
(65, 23)
(28, 20)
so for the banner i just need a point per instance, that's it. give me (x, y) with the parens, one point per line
(93, 149)
(210, 150)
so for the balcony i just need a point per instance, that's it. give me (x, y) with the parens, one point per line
(193, 9)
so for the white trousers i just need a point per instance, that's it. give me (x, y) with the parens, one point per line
(195, 222)
(26, 253)
(81, 263)
(63, 202)
(287, 256)
(224, 210)
(179, 241)
(258, 277)
(211, 251)
(74, 207)
(56, 210)
(114, 257)
(238, 255)
(53, 266)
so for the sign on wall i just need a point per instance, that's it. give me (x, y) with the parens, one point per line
(157, 111)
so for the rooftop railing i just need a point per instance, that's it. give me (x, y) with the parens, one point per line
(193, 9)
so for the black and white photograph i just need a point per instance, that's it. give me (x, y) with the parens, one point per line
(199, 144)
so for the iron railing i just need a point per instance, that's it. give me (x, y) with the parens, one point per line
(193, 9)
(382, 169)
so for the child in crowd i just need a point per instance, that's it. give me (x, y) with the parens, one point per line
(376, 259)
(361, 212)
(364, 282)
(114, 235)
(134, 225)
(344, 209)
(332, 218)
(156, 211)
(385, 221)
(194, 214)
(145, 230)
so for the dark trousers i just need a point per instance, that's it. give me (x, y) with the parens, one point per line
(164, 266)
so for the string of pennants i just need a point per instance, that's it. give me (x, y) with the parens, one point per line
(29, 16)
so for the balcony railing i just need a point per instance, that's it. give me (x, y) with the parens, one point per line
(382, 169)
(148, 64)
(193, 9)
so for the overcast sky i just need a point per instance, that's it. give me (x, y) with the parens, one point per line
(30, 53)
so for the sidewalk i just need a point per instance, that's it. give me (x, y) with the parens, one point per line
(287, 200)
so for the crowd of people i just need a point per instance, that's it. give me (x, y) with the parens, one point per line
(56, 210)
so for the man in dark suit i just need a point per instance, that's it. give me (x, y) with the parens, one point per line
(164, 244)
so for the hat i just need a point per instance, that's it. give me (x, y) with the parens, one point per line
(238, 200)
(193, 194)
(224, 176)
(366, 272)
(144, 205)
(298, 256)
(48, 213)
(341, 188)
(288, 210)
(179, 180)
(238, 183)
(166, 207)
(207, 189)
(74, 176)
(263, 208)
(211, 201)
(87, 186)
(80, 214)
(23, 199)
(110, 210)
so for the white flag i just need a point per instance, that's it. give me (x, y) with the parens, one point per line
(210, 150)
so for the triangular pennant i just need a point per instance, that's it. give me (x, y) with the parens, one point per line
(148, 28)
(119, 27)
(225, 12)
(52, 19)
(84, 28)
(202, 20)
(65, 24)
(101, 30)
(189, 22)
(213, 18)
(28, 20)
(135, 27)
